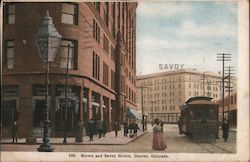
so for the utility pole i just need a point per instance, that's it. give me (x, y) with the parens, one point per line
(142, 107)
(203, 83)
(229, 73)
(223, 57)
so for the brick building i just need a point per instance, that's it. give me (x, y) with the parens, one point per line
(165, 92)
(230, 108)
(101, 65)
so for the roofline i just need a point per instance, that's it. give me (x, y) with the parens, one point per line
(180, 71)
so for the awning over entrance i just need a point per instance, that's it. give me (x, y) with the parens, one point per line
(95, 104)
(132, 113)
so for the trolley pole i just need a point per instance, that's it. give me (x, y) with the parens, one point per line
(142, 107)
(223, 57)
(229, 76)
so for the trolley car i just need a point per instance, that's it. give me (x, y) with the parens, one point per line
(199, 118)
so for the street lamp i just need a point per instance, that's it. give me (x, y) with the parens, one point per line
(47, 41)
(66, 99)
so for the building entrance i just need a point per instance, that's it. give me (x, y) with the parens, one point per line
(72, 113)
(38, 117)
(8, 113)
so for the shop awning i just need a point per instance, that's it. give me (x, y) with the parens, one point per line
(95, 104)
(132, 113)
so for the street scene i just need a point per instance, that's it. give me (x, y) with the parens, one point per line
(176, 143)
(120, 77)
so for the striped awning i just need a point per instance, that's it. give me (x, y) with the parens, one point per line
(132, 113)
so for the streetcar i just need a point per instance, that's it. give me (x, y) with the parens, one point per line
(199, 118)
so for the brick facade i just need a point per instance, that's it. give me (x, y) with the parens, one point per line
(101, 97)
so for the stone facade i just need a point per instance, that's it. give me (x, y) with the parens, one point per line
(167, 91)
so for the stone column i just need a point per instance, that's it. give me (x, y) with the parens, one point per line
(89, 102)
(109, 115)
(81, 105)
(101, 107)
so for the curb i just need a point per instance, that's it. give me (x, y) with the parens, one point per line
(78, 143)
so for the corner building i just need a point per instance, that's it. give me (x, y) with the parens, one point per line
(101, 40)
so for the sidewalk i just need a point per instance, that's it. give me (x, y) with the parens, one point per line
(231, 129)
(109, 139)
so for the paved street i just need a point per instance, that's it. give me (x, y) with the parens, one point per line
(175, 144)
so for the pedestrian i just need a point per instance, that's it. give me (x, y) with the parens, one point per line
(162, 125)
(125, 124)
(104, 128)
(158, 139)
(91, 129)
(225, 129)
(95, 128)
(116, 128)
(14, 131)
(180, 125)
(135, 128)
(99, 127)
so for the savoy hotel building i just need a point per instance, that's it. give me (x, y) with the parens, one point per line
(163, 93)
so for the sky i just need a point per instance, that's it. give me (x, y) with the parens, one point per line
(189, 33)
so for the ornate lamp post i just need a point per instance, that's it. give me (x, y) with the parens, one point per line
(47, 41)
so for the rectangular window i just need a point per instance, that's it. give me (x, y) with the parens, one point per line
(105, 44)
(114, 22)
(105, 74)
(97, 6)
(96, 66)
(113, 53)
(69, 13)
(10, 54)
(8, 112)
(11, 12)
(96, 31)
(122, 83)
(107, 14)
(112, 79)
(68, 48)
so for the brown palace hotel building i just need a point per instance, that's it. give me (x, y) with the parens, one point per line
(102, 67)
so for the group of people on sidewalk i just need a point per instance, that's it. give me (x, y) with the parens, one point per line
(131, 128)
(100, 128)
(96, 128)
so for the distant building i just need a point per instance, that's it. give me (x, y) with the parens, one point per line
(165, 92)
(230, 108)
(102, 38)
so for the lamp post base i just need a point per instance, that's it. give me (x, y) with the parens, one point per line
(45, 147)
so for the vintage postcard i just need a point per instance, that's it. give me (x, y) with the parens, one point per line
(125, 80)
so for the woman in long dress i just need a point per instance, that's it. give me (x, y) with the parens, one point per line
(158, 139)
